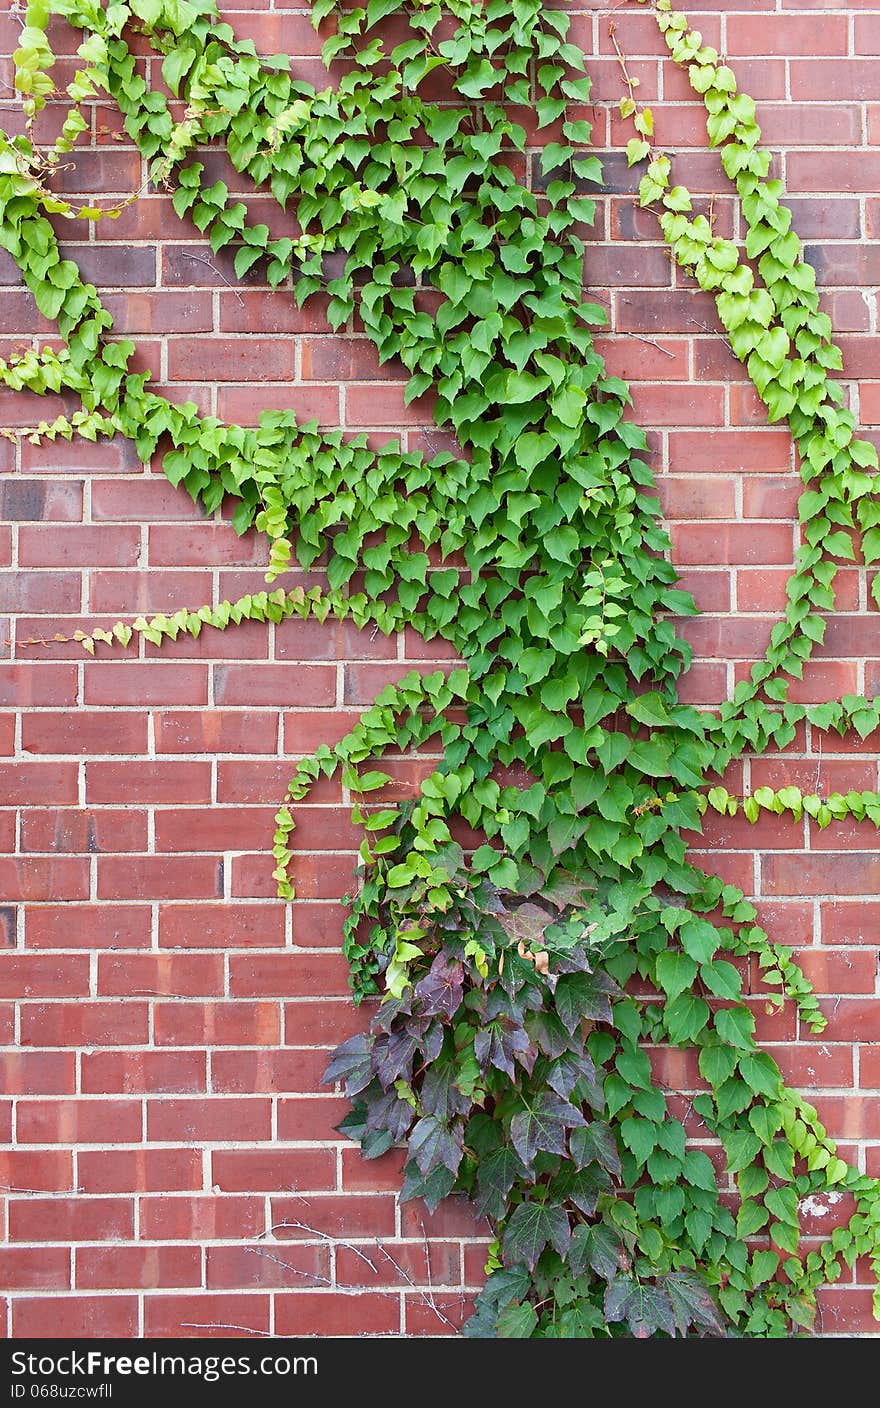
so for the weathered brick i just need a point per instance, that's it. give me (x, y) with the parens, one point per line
(155, 1072)
(75, 1317)
(155, 877)
(87, 926)
(137, 1268)
(205, 1316)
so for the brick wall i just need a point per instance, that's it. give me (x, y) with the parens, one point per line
(171, 1165)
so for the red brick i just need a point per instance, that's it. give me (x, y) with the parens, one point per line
(275, 1171)
(280, 975)
(851, 1018)
(311, 1117)
(23, 1171)
(733, 869)
(334, 358)
(222, 926)
(771, 497)
(729, 484)
(205, 1316)
(726, 637)
(315, 877)
(84, 732)
(183, 1218)
(214, 829)
(734, 543)
(383, 404)
(204, 544)
(322, 1023)
(846, 1310)
(36, 878)
(850, 1116)
(185, 267)
(217, 1023)
(330, 640)
(856, 922)
(145, 499)
(443, 1314)
(676, 1069)
(787, 35)
(71, 1219)
(264, 1265)
(830, 170)
(137, 1268)
(812, 774)
(329, 1215)
(869, 1066)
(771, 1024)
(160, 974)
(26, 784)
(363, 682)
(139, 1170)
(243, 1072)
(38, 975)
(34, 500)
(146, 592)
(159, 877)
(262, 310)
(79, 1121)
(317, 925)
(813, 874)
(75, 1317)
(128, 1072)
(37, 592)
(818, 80)
(163, 683)
(17, 407)
(275, 684)
(223, 1120)
(75, 457)
(160, 310)
(78, 546)
(231, 359)
(119, 782)
(326, 1313)
(32, 685)
(306, 729)
(696, 497)
(475, 1256)
(83, 1023)
(265, 782)
(384, 1174)
(35, 1268)
(37, 1073)
(88, 926)
(454, 1217)
(67, 829)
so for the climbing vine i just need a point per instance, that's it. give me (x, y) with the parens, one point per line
(506, 1052)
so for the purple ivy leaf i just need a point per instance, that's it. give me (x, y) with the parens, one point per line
(351, 1062)
(646, 1308)
(692, 1303)
(541, 1124)
(388, 1112)
(441, 988)
(393, 1056)
(434, 1143)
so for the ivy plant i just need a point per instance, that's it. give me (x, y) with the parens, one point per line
(505, 1050)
